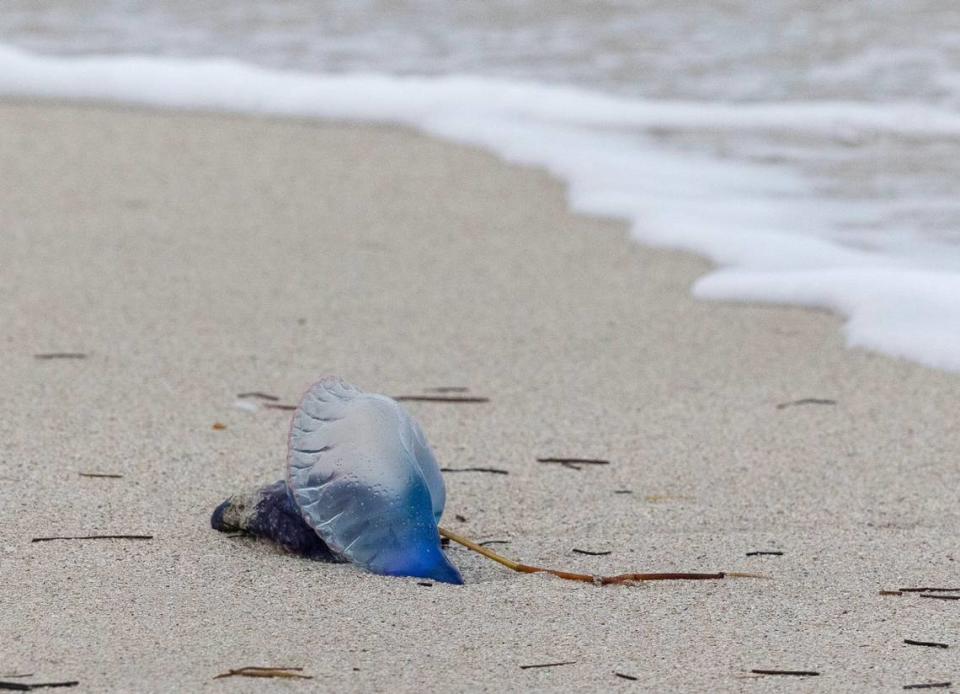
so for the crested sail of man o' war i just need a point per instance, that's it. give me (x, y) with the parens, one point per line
(809, 202)
(362, 486)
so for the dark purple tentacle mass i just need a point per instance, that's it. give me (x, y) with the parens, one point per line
(270, 513)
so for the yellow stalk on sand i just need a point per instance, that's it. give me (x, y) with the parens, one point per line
(619, 579)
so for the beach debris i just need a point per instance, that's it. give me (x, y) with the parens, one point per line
(243, 402)
(464, 399)
(623, 491)
(60, 355)
(765, 553)
(624, 676)
(787, 673)
(218, 426)
(289, 673)
(933, 593)
(275, 406)
(492, 470)
(930, 644)
(930, 590)
(493, 542)
(101, 475)
(460, 517)
(259, 395)
(92, 537)
(929, 685)
(806, 401)
(425, 584)
(363, 486)
(573, 463)
(26, 686)
(540, 665)
(590, 553)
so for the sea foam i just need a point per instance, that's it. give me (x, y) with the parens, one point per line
(760, 224)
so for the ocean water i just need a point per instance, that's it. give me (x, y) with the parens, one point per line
(812, 152)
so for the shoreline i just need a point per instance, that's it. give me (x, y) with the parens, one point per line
(194, 257)
(770, 224)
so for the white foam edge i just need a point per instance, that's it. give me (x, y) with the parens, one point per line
(732, 213)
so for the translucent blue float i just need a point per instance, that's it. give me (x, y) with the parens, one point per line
(362, 486)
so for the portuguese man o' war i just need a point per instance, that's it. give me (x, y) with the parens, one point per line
(362, 486)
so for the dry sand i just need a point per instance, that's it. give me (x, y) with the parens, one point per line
(196, 257)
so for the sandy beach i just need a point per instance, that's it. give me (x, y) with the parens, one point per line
(191, 258)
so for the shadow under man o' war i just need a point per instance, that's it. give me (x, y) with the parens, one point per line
(362, 486)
